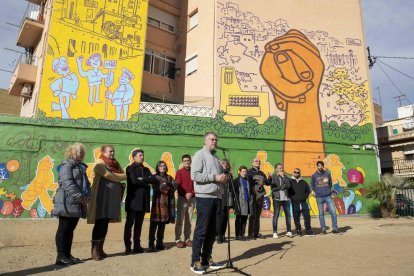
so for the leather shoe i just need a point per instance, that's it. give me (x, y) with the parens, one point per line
(180, 244)
(63, 261)
(74, 260)
(188, 243)
(138, 250)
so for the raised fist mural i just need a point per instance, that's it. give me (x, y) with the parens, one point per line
(292, 68)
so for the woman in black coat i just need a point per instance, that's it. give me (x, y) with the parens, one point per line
(70, 201)
(137, 201)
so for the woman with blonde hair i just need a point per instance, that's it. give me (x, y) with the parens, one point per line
(70, 201)
(107, 192)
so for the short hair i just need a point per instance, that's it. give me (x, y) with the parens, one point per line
(104, 147)
(297, 169)
(185, 156)
(242, 168)
(136, 151)
(74, 151)
(278, 164)
(320, 162)
(94, 55)
(159, 163)
(209, 133)
(227, 161)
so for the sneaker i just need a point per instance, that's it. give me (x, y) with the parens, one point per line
(197, 268)
(260, 236)
(180, 244)
(188, 243)
(275, 236)
(211, 264)
(335, 231)
(220, 239)
(309, 233)
(289, 234)
(323, 232)
(299, 232)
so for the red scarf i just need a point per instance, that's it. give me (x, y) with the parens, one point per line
(112, 164)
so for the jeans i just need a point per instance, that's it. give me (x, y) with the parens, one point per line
(205, 230)
(286, 207)
(133, 219)
(185, 210)
(64, 235)
(298, 208)
(331, 207)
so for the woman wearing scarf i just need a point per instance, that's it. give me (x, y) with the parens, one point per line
(70, 201)
(163, 206)
(244, 196)
(107, 192)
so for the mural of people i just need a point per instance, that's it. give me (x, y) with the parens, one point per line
(63, 87)
(292, 68)
(122, 96)
(94, 75)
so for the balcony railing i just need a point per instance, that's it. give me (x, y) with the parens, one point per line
(176, 109)
(31, 26)
(400, 167)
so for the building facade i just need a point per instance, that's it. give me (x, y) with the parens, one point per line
(283, 82)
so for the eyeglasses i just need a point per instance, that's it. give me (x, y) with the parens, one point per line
(296, 172)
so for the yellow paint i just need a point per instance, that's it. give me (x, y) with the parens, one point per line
(333, 163)
(39, 186)
(361, 170)
(167, 158)
(313, 205)
(268, 170)
(239, 104)
(94, 59)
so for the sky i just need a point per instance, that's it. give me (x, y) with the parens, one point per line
(389, 28)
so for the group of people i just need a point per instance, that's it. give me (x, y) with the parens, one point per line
(204, 182)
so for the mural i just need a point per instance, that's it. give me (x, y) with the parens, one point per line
(310, 76)
(91, 44)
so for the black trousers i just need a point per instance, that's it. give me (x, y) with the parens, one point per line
(222, 219)
(159, 228)
(100, 229)
(254, 218)
(301, 207)
(240, 225)
(133, 219)
(64, 235)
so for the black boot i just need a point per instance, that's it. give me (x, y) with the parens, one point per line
(61, 259)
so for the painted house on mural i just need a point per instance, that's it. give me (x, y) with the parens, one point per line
(283, 81)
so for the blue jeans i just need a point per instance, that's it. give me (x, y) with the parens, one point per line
(208, 209)
(331, 207)
(286, 207)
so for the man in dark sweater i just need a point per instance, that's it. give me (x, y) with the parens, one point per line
(185, 203)
(321, 185)
(299, 191)
(257, 178)
(137, 201)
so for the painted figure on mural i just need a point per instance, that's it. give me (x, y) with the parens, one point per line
(95, 75)
(292, 68)
(334, 164)
(122, 96)
(64, 87)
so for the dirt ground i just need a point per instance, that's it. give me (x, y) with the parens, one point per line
(365, 246)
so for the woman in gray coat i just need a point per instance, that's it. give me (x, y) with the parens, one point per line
(244, 200)
(70, 201)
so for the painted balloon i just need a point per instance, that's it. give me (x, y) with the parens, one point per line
(41, 211)
(354, 176)
(13, 165)
(17, 208)
(58, 167)
(358, 205)
(7, 208)
(362, 191)
(337, 188)
(349, 198)
(340, 206)
(351, 209)
(33, 213)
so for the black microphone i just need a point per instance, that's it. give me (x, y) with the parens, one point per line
(221, 148)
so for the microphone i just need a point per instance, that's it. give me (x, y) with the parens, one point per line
(221, 148)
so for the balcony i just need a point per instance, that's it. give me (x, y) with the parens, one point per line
(31, 26)
(396, 133)
(24, 73)
(399, 167)
(38, 2)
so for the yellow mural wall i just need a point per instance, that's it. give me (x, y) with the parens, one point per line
(94, 59)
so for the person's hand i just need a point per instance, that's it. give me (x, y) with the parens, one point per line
(85, 200)
(188, 196)
(221, 178)
(231, 209)
(292, 67)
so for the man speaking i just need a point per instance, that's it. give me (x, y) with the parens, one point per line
(208, 176)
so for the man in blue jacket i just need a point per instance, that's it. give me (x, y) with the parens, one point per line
(321, 185)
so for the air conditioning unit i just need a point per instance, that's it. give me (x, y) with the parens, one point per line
(27, 91)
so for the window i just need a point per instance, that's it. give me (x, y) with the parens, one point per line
(193, 20)
(191, 65)
(159, 64)
(161, 19)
